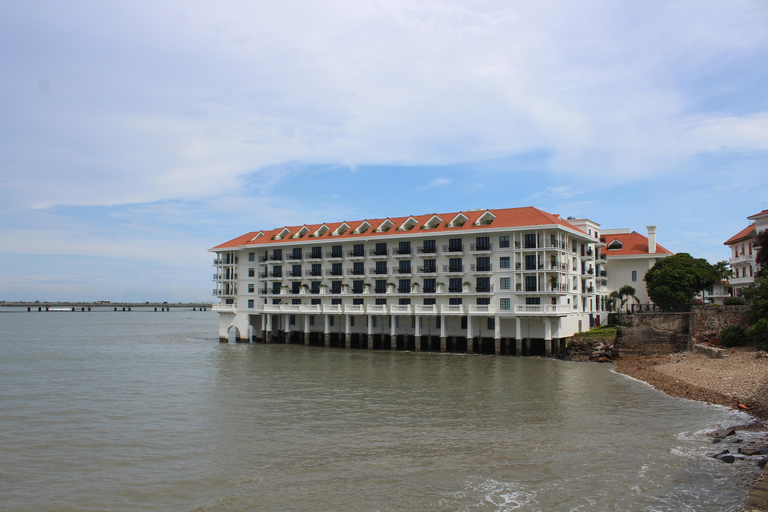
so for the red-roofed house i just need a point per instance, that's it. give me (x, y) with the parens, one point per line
(518, 280)
(628, 256)
(743, 252)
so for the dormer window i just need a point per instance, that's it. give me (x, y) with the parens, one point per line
(341, 229)
(615, 245)
(485, 219)
(321, 230)
(362, 228)
(300, 233)
(282, 234)
(458, 221)
(385, 226)
(408, 224)
(432, 223)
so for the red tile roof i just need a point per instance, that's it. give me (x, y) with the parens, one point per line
(753, 217)
(508, 217)
(632, 244)
(747, 232)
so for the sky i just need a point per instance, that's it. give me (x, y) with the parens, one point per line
(135, 135)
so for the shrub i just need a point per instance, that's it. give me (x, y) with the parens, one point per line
(758, 333)
(733, 336)
(735, 301)
(613, 319)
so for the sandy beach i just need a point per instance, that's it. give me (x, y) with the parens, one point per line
(739, 380)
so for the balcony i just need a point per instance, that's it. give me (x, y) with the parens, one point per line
(481, 268)
(276, 275)
(290, 275)
(354, 309)
(453, 269)
(481, 310)
(426, 250)
(452, 310)
(355, 254)
(430, 289)
(403, 270)
(357, 289)
(377, 253)
(484, 289)
(454, 289)
(480, 247)
(314, 256)
(540, 309)
(453, 248)
(334, 255)
(426, 270)
(400, 310)
(224, 308)
(378, 309)
(309, 308)
(313, 273)
(332, 308)
(331, 272)
(404, 289)
(401, 253)
(377, 271)
(353, 272)
(426, 310)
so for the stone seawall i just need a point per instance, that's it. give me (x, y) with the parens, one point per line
(708, 321)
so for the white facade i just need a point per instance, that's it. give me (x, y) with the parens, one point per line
(429, 285)
(744, 252)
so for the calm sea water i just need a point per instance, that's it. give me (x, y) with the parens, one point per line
(147, 411)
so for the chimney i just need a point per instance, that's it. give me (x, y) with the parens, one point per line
(651, 239)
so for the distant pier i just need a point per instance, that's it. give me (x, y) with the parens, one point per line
(44, 306)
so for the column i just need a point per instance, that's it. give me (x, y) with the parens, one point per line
(497, 335)
(443, 340)
(327, 331)
(518, 337)
(392, 333)
(263, 328)
(306, 329)
(286, 329)
(370, 332)
(417, 337)
(470, 336)
(547, 337)
(268, 338)
(347, 332)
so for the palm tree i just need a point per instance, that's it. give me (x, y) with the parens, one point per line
(625, 293)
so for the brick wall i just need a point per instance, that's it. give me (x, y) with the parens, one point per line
(708, 321)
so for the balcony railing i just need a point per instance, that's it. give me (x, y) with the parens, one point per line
(480, 247)
(540, 309)
(426, 270)
(404, 289)
(453, 248)
(481, 310)
(333, 255)
(400, 310)
(425, 310)
(453, 268)
(480, 268)
(452, 310)
(356, 254)
(377, 271)
(426, 250)
(377, 309)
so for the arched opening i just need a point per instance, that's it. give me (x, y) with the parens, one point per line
(233, 334)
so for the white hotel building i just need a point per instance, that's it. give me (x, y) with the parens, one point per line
(744, 252)
(517, 281)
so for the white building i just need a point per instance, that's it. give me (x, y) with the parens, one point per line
(516, 280)
(743, 252)
(628, 256)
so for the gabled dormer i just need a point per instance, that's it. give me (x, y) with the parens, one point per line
(282, 234)
(362, 228)
(433, 222)
(615, 245)
(343, 227)
(301, 232)
(323, 229)
(408, 225)
(458, 221)
(258, 235)
(485, 219)
(385, 226)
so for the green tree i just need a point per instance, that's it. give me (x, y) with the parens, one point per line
(761, 258)
(756, 295)
(677, 279)
(722, 270)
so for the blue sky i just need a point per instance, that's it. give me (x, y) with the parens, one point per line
(136, 135)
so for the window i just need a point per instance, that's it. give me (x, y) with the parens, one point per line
(429, 247)
(314, 287)
(505, 304)
(373, 321)
(530, 241)
(463, 322)
(504, 242)
(454, 301)
(437, 322)
(317, 270)
(311, 319)
(483, 243)
(250, 303)
(491, 323)
(357, 287)
(358, 302)
(430, 302)
(277, 271)
(504, 262)
(533, 301)
(430, 266)
(250, 287)
(295, 287)
(358, 250)
(277, 254)
(317, 253)
(296, 253)
(336, 251)
(454, 285)
(315, 302)
(429, 286)
(404, 286)
(505, 283)
(380, 286)
(275, 288)
(335, 302)
(454, 265)
(530, 284)
(251, 272)
(634, 275)
(330, 321)
(404, 248)
(292, 319)
(358, 268)
(336, 269)
(335, 286)
(405, 302)
(404, 267)
(483, 285)
(530, 262)
(483, 301)
(484, 264)
(351, 321)
(251, 256)
(381, 268)
(454, 245)
(381, 249)
(296, 270)
(381, 302)
(295, 302)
